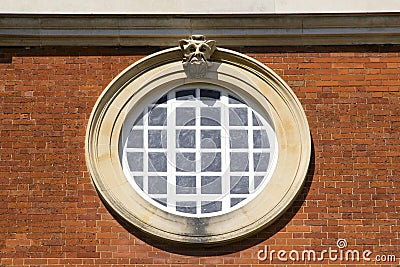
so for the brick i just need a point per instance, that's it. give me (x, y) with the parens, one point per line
(54, 217)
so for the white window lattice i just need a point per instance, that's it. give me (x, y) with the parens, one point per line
(198, 151)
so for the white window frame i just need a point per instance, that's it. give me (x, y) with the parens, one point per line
(225, 150)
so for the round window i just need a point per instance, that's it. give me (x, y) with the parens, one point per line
(198, 151)
(205, 150)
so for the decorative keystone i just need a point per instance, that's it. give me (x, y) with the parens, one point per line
(196, 52)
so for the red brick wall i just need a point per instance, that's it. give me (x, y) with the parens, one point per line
(51, 215)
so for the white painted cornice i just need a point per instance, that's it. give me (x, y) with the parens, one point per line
(228, 30)
(196, 6)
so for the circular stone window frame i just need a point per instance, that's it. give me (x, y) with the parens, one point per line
(165, 71)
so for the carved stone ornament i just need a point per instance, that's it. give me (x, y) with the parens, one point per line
(196, 53)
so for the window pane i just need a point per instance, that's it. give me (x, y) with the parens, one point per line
(261, 161)
(157, 184)
(139, 120)
(185, 116)
(189, 94)
(158, 117)
(209, 97)
(210, 116)
(210, 139)
(135, 139)
(135, 161)
(186, 162)
(238, 138)
(157, 162)
(186, 184)
(238, 116)
(214, 206)
(209, 94)
(162, 201)
(186, 138)
(211, 185)
(186, 206)
(211, 162)
(139, 181)
(235, 201)
(239, 162)
(257, 181)
(162, 99)
(235, 100)
(157, 139)
(260, 139)
(256, 120)
(239, 185)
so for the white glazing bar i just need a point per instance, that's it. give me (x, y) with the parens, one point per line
(225, 152)
(250, 149)
(145, 147)
(171, 148)
(198, 154)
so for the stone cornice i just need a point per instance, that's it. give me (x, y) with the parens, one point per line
(185, 7)
(228, 30)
